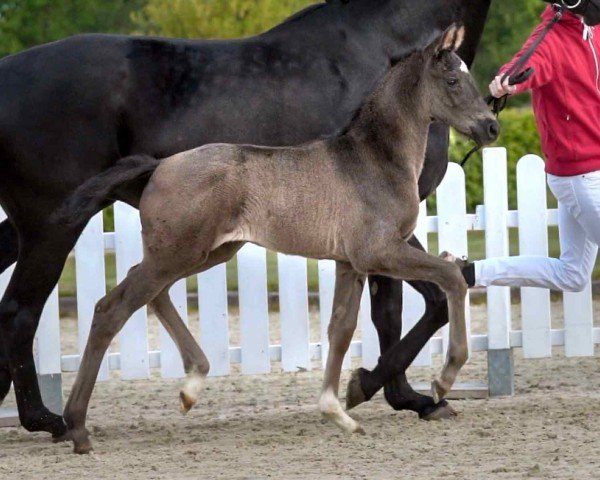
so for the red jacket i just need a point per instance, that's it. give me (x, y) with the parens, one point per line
(566, 94)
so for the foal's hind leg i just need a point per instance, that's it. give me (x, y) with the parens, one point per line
(349, 285)
(140, 286)
(195, 363)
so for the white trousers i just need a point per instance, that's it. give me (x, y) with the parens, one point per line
(579, 232)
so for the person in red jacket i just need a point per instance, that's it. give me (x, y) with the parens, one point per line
(565, 90)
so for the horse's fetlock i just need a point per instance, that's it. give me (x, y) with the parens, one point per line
(328, 404)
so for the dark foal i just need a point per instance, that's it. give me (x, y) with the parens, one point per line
(352, 198)
(71, 109)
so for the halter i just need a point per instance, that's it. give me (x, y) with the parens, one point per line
(572, 6)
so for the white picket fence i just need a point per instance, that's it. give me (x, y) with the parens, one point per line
(296, 351)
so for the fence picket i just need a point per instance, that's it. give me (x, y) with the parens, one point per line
(579, 323)
(496, 242)
(90, 277)
(134, 335)
(452, 227)
(369, 338)
(533, 240)
(254, 309)
(47, 338)
(293, 309)
(413, 306)
(214, 318)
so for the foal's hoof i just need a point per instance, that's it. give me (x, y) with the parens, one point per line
(188, 395)
(81, 441)
(354, 393)
(441, 411)
(185, 402)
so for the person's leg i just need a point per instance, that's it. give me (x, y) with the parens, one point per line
(579, 231)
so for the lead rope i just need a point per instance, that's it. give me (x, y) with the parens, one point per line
(499, 104)
(588, 35)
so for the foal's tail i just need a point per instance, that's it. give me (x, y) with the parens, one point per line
(98, 192)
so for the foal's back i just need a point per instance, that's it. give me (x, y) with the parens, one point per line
(296, 200)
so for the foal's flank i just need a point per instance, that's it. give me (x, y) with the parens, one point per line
(352, 198)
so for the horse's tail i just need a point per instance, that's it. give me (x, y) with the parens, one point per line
(98, 192)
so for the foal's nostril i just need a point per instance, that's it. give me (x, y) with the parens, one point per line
(493, 129)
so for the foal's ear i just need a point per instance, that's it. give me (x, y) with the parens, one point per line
(450, 40)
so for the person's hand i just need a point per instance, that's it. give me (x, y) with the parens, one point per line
(498, 88)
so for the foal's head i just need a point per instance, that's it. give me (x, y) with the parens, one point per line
(450, 93)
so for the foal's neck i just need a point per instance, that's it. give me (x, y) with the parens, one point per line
(394, 122)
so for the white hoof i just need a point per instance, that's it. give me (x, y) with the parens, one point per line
(332, 410)
(191, 391)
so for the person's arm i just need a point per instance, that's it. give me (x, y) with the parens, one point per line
(541, 61)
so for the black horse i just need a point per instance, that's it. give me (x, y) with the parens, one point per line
(69, 110)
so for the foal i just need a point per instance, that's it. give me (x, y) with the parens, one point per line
(352, 198)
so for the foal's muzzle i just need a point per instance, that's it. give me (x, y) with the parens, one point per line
(486, 131)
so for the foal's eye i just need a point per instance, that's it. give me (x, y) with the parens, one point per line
(452, 82)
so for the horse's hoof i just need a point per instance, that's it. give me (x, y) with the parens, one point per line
(81, 441)
(354, 393)
(188, 395)
(438, 391)
(359, 431)
(441, 411)
(83, 449)
(67, 437)
(185, 402)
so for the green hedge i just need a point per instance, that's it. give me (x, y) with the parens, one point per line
(519, 136)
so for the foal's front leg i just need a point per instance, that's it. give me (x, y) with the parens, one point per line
(404, 261)
(349, 285)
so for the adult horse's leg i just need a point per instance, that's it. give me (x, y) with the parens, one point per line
(9, 245)
(386, 311)
(42, 254)
(9, 249)
(349, 285)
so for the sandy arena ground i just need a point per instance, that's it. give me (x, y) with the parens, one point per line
(268, 427)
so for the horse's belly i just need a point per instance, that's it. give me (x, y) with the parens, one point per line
(306, 240)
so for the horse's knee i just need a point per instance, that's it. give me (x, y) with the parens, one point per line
(453, 282)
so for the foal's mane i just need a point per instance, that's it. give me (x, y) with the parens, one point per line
(393, 72)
